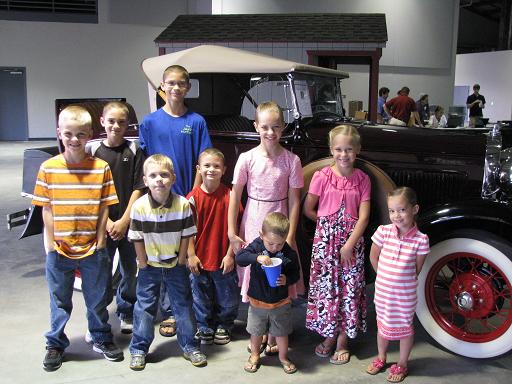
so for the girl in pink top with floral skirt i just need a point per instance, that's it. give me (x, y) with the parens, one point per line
(336, 306)
(273, 177)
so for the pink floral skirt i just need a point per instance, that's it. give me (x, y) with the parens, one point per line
(336, 299)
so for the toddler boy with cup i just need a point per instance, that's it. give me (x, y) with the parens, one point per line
(270, 306)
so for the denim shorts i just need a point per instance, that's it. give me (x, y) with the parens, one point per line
(277, 321)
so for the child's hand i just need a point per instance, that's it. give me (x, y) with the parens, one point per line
(264, 260)
(194, 264)
(118, 230)
(281, 280)
(346, 256)
(236, 243)
(227, 264)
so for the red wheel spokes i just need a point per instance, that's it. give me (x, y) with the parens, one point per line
(469, 297)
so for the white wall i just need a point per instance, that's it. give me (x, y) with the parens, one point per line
(492, 71)
(65, 60)
(420, 51)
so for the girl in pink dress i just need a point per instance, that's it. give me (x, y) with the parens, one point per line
(397, 255)
(336, 306)
(273, 178)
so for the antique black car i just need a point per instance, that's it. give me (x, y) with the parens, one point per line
(462, 176)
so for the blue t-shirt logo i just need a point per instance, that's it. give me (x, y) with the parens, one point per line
(187, 129)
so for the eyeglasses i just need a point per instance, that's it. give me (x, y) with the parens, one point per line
(180, 84)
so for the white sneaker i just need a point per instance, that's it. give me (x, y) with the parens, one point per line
(88, 337)
(126, 326)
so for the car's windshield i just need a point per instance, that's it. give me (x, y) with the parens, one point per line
(318, 94)
(266, 88)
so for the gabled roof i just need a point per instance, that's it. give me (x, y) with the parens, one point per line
(218, 59)
(313, 27)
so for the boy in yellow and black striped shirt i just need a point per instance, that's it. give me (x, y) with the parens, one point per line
(75, 190)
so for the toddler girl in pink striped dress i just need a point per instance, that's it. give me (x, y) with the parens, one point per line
(397, 255)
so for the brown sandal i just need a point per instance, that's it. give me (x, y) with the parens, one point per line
(376, 366)
(271, 350)
(288, 367)
(252, 366)
(340, 357)
(167, 328)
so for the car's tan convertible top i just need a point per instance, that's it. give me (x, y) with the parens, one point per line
(219, 59)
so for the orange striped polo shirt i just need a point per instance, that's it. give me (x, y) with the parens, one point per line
(75, 192)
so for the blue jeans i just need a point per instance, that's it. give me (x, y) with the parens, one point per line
(215, 299)
(177, 286)
(60, 274)
(126, 290)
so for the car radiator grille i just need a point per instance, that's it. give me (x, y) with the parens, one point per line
(433, 187)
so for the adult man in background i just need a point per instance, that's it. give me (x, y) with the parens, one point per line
(475, 103)
(401, 108)
(382, 116)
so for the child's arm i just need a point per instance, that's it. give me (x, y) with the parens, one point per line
(234, 205)
(228, 261)
(374, 255)
(48, 227)
(194, 264)
(347, 251)
(293, 214)
(142, 257)
(309, 209)
(101, 228)
(420, 260)
(197, 180)
(248, 255)
(117, 229)
(182, 254)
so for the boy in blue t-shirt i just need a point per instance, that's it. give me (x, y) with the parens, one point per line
(182, 135)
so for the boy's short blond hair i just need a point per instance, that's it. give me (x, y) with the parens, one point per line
(276, 223)
(178, 69)
(212, 152)
(76, 113)
(115, 105)
(162, 160)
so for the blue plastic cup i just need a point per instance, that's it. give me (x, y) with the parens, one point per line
(273, 271)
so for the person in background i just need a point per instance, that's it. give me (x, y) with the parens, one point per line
(438, 119)
(475, 102)
(401, 108)
(382, 116)
(423, 108)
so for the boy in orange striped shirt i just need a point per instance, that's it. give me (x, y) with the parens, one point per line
(75, 190)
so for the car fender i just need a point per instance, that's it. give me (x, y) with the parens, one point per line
(470, 214)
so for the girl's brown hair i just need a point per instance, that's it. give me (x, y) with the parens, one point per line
(407, 193)
(346, 130)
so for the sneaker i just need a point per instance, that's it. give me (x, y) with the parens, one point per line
(88, 337)
(197, 358)
(53, 359)
(109, 351)
(126, 326)
(221, 336)
(138, 362)
(206, 337)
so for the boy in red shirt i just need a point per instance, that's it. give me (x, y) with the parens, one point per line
(210, 257)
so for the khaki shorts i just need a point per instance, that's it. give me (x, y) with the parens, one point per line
(276, 321)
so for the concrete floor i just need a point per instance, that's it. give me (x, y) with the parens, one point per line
(24, 318)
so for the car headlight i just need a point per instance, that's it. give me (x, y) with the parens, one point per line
(505, 176)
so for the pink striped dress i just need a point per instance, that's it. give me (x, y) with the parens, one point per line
(395, 286)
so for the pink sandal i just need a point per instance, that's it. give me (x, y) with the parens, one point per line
(397, 373)
(376, 366)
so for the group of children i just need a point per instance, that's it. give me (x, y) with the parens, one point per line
(194, 250)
